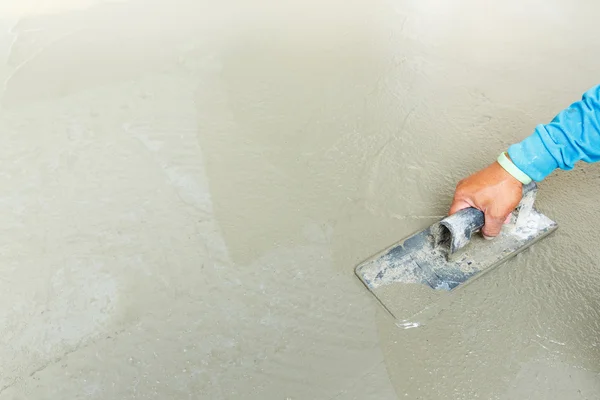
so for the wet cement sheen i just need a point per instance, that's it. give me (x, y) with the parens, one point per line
(188, 187)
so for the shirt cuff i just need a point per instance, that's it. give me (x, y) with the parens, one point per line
(532, 157)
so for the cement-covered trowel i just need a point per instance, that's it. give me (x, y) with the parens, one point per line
(449, 253)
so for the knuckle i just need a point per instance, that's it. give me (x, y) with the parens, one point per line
(460, 184)
(461, 192)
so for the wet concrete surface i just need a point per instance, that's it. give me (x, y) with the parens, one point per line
(188, 185)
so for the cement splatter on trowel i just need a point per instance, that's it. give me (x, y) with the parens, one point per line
(447, 255)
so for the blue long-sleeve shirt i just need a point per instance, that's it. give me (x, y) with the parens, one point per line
(573, 135)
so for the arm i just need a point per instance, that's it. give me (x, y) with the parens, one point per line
(573, 135)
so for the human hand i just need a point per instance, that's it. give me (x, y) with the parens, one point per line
(493, 191)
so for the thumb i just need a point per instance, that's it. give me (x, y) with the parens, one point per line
(492, 226)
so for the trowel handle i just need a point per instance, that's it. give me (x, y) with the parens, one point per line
(456, 230)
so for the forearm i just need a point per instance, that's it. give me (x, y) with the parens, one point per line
(573, 135)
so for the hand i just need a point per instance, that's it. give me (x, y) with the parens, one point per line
(491, 190)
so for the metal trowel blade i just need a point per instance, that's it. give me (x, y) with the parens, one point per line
(413, 273)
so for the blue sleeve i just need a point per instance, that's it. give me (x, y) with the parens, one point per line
(573, 135)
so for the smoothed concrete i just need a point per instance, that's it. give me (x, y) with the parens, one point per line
(186, 187)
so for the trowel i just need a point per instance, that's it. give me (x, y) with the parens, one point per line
(449, 254)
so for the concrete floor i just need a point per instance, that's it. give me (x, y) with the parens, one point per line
(186, 188)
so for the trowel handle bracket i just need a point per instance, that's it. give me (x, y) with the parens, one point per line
(531, 187)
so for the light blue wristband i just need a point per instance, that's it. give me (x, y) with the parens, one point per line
(512, 169)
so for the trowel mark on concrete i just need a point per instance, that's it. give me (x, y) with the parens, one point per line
(173, 145)
(176, 167)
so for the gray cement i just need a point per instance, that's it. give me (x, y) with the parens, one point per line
(186, 188)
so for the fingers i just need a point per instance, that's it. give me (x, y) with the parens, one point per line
(492, 226)
(492, 190)
(458, 205)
